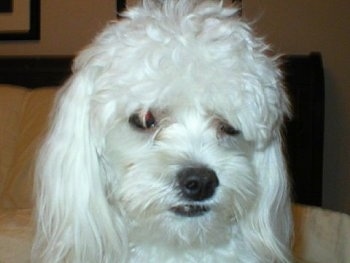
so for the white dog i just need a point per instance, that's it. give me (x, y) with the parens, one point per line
(165, 145)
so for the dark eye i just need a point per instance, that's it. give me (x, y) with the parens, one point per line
(227, 129)
(142, 120)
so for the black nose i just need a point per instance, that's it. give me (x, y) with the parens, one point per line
(197, 183)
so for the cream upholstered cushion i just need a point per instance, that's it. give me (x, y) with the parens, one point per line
(23, 121)
(16, 236)
(320, 235)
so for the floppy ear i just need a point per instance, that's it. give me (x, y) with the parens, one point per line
(75, 222)
(268, 229)
(270, 226)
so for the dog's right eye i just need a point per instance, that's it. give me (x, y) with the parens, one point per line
(143, 120)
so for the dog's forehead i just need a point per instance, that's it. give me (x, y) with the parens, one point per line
(210, 63)
(203, 60)
(184, 96)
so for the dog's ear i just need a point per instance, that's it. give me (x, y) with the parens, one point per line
(268, 229)
(270, 226)
(75, 221)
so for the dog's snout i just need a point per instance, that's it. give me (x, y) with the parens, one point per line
(197, 184)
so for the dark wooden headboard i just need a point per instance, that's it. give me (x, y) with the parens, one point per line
(33, 72)
(304, 133)
(304, 79)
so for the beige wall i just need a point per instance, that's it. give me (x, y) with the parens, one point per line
(301, 26)
(292, 26)
(66, 27)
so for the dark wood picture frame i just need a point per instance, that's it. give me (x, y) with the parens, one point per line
(122, 4)
(33, 33)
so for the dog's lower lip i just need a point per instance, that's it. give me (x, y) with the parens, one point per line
(190, 210)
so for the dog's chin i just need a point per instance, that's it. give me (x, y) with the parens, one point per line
(183, 225)
(190, 210)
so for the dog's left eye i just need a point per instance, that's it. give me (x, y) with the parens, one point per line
(143, 120)
(227, 129)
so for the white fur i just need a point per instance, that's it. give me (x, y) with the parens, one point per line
(105, 188)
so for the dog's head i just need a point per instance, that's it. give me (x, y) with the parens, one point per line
(167, 132)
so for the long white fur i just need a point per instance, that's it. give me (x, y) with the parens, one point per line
(104, 189)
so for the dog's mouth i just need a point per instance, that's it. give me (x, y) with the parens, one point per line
(190, 210)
